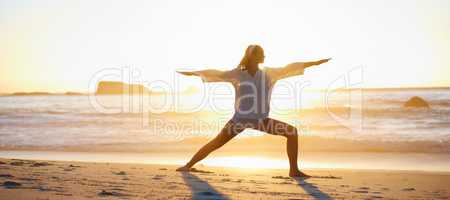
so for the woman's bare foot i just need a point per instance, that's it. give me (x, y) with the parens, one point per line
(299, 174)
(185, 169)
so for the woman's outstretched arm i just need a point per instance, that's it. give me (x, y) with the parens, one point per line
(293, 69)
(187, 73)
(211, 75)
(210, 72)
(294, 66)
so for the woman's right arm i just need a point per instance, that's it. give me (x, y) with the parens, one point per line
(211, 75)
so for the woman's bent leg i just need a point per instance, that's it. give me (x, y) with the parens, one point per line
(228, 132)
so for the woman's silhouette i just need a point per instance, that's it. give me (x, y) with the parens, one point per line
(253, 88)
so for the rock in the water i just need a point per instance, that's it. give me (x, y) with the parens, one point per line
(416, 102)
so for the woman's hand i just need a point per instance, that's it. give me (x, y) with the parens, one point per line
(322, 61)
(187, 73)
(314, 63)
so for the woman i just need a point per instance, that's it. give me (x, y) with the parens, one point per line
(253, 88)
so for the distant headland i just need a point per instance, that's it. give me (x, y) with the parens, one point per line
(116, 87)
(44, 94)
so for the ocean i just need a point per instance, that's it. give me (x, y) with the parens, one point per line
(377, 116)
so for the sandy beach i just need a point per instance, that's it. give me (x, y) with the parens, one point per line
(28, 179)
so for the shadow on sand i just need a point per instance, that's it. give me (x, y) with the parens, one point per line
(201, 189)
(312, 190)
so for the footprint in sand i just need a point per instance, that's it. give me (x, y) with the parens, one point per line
(122, 173)
(68, 169)
(158, 177)
(17, 163)
(361, 190)
(48, 189)
(6, 176)
(11, 184)
(112, 193)
(64, 194)
(40, 164)
(29, 179)
(172, 187)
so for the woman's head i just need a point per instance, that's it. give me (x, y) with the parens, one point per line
(252, 57)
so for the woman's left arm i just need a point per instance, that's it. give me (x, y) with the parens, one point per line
(293, 69)
(304, 65)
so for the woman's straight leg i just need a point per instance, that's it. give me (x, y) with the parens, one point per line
(228, 132)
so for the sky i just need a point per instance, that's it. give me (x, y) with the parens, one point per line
(60, 45)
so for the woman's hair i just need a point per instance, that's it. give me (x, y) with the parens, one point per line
(250, 53)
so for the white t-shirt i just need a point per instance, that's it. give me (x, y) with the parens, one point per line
(252, 100)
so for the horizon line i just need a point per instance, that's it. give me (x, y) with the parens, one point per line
(68, 92)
